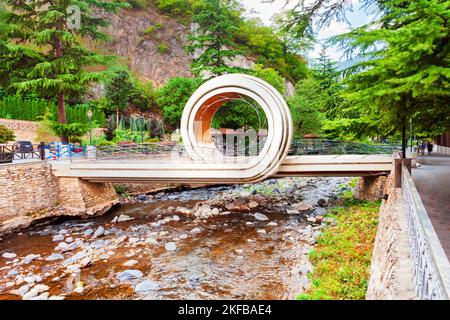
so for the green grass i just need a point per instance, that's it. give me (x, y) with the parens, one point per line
(342, 256)
(162, 48)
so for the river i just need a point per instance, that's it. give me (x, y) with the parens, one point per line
(161, 249)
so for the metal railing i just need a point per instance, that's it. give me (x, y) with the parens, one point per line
(441, 149)
(431, 267)
(9, 153)
(332, 147)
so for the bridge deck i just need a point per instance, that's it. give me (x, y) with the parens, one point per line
(187, 171)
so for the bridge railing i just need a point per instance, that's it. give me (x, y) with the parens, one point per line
(441, 149)
(163, 152)
(332, 147)
(431, 267)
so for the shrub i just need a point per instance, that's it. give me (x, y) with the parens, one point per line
(6, 134)
(270, 75)
(173, 7)
(138, 4)
(162, 48)
(173, 97)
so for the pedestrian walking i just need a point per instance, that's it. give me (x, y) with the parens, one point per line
(423, 146)
(430, 147)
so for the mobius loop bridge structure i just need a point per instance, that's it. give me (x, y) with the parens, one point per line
(201, 161)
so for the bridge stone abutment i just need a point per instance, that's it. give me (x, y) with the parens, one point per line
(371, 188)
(30, 192)
(86, 198)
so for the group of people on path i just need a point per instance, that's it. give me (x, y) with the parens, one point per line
(425, 145)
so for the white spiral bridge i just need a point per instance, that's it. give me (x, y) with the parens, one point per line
(202, 162)
(203, 105)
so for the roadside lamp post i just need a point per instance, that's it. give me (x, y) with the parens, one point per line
(89, 115)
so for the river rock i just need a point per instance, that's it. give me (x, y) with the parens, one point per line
(146, 286)
(151, 240)
(12, 273)
(22, 290)
(319, 212)
(88, 232)
(272, 224)
(171, 246)
(253, 204)
(292, 212)
(229, 206)
(56, 298)
(261, 217)
(183, 210)
(99, 232)
(30, 294)
(195, 231)
(129, 275)
(245, 193)
(133, 240)
(58, 237)
(54, 257)
(261, 231)
(63, 232)
(29, 258)
(130, 263)
(9, 255)
(142, 197)
(303, 206)
(124, 218)
(43, 296)
(239, 251)
(322, 202)
(176, 218)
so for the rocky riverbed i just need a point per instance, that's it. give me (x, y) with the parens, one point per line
(233, 242)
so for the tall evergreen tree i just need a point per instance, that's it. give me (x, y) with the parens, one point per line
(43, 53)
(405, 72)
(214, 37)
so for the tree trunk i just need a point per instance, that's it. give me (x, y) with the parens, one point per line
(62, 115)
(404, 142)
(117, 119)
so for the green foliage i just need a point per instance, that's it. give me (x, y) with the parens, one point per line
(6, 135)
(152, 29)
(74, 131)
(272, 48)
(173, 7)
(343, 253)
(214, 37)
(124, 89)
(118, 90)
(24, 108)
(42, 52)
(33, 109)
(172, 98)
(163, 48)
(307, 107)
(237, 114)
(138, 4)
(404, 73)
(269, 75)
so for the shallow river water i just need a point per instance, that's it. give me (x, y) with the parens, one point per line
(164, 254)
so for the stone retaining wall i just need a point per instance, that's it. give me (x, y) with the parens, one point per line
(30, 192)
(391, 273)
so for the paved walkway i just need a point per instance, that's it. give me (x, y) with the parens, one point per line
(432, 180)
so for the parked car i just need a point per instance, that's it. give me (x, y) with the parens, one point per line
(23, 146)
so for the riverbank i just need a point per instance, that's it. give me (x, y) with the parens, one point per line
(235, 242)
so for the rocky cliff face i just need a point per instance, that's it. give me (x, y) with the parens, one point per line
(150, 43)
(153, 45)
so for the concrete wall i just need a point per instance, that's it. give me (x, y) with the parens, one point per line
(391, 267)
(30, 192)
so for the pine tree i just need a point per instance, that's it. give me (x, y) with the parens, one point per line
(214, 37)
(43, 53)
(118, 92)
(405, 69)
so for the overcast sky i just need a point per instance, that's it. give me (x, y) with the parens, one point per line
(266, 10)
